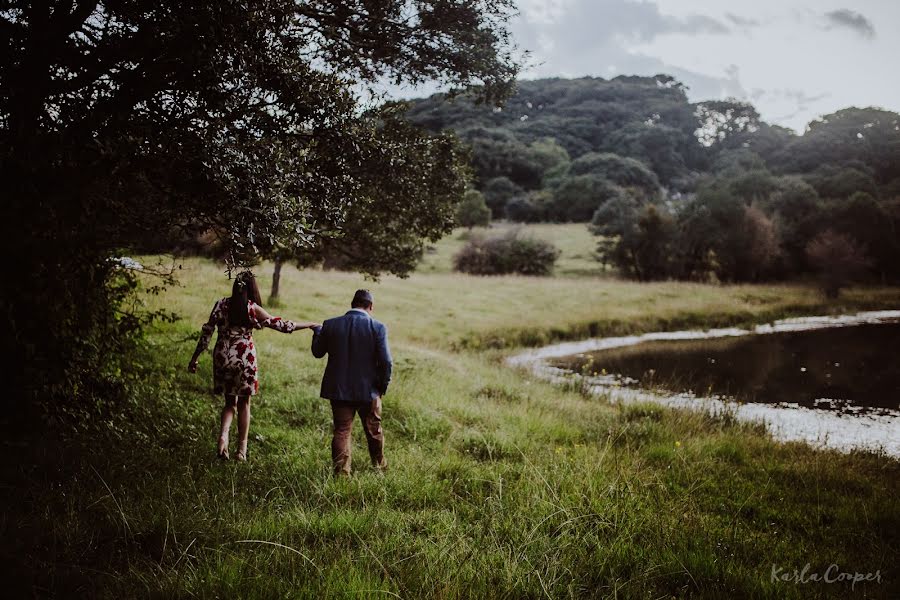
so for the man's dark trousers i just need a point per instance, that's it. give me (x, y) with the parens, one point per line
(370, 417)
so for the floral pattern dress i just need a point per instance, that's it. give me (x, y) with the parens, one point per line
(235, 368)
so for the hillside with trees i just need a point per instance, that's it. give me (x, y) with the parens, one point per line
(685, 190)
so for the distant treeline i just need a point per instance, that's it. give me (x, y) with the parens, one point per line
(687, 190)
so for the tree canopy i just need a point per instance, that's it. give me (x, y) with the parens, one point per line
(119, 120)
(651, 120)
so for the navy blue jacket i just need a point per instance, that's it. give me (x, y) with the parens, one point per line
(359, 361)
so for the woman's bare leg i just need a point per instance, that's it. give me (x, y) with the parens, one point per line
(227, 416)
(243, 410)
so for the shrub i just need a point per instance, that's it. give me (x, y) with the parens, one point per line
(510, 253)
(473, 211)
(641, 241)
(838, 258)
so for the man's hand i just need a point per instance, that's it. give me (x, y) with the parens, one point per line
(192, 366)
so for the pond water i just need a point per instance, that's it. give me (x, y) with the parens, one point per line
(847, 369)
(828, 381)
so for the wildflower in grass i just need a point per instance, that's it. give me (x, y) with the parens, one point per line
(678, 444)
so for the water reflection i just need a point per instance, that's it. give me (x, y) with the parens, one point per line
(844, 368)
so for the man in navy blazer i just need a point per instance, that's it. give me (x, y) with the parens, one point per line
(356, 377)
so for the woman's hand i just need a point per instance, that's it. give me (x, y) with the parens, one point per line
(311, 325)
(192, 366)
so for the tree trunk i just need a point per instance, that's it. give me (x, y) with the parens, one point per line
(276, 279)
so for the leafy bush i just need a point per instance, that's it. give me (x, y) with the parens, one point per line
(641, 241)
(839, 260)
(510, 253)
(473, 211)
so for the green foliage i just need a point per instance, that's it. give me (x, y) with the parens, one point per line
(121, 122)
(640, 241)
(389, 224)
(838, 259)
(747, 225)
(509, 253)
(665, 149)
(641, 134)
(868, 135)
(722, 121)
(841, 182)
(625, 172)
(721, 235)
(497, 192)
(552, 158)
(533, 208)
(715, 234)
(733, 162)
(473, 211)
(499, 154)
(746, 197)
(796, 209)
(581, 115)
(578, 197)
(862, 217)
(752, 186)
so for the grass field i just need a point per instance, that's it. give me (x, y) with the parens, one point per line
(499, 486)
(576, 244)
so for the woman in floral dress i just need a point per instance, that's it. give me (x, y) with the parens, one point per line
(235, 368)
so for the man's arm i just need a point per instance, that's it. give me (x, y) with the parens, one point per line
(384, 361)
(320, 341)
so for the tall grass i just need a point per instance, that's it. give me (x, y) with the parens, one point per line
(499, 486)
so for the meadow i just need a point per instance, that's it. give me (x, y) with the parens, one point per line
(499, 486)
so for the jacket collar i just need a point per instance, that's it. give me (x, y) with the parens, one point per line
(358, 312)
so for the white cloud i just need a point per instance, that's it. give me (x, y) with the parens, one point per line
(592, 36)
(797, 62)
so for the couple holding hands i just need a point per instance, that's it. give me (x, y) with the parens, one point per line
(356, 376)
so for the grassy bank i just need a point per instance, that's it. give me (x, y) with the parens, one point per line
(453, 311)
(499, 485)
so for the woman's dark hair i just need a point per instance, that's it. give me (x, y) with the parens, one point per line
(244, 289)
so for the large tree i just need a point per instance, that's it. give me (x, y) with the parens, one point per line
(119, 118)
(870, 136)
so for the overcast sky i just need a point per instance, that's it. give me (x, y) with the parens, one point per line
(793, 59)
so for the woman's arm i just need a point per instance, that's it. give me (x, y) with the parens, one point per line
(206, 332)
(264, 319)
